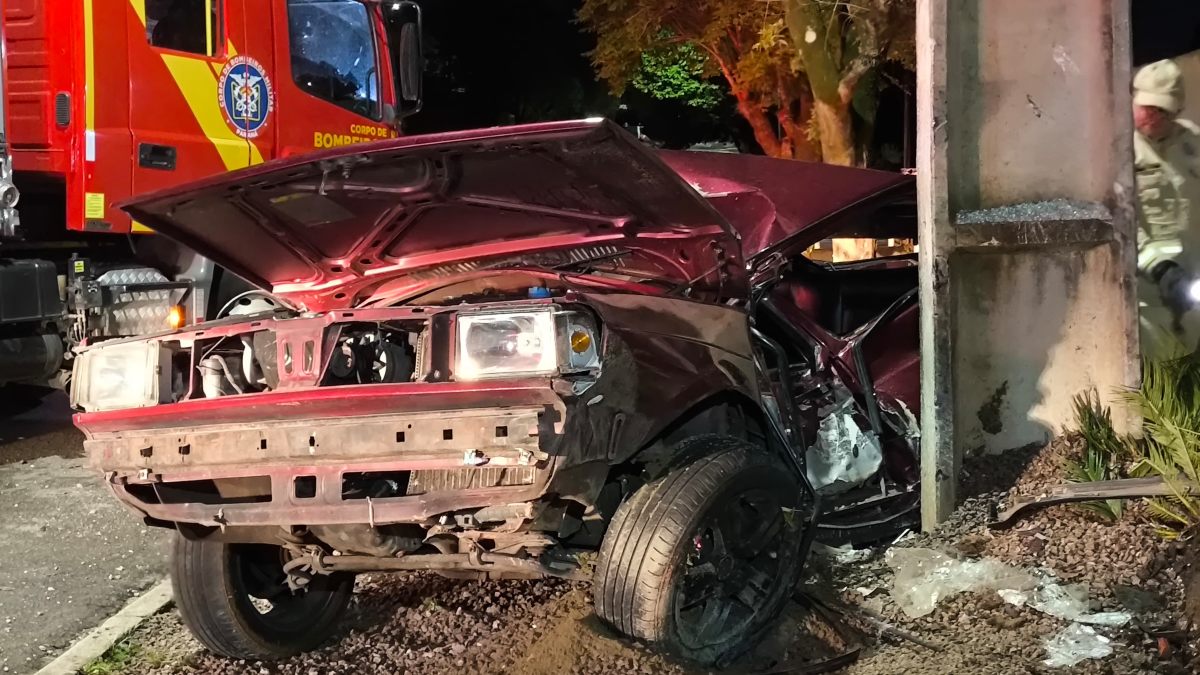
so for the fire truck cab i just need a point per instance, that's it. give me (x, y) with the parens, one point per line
(105, 99)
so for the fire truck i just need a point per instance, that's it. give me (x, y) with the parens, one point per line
(105, 99)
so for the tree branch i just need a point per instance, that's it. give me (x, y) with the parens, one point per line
(875, 25)
(859, 67)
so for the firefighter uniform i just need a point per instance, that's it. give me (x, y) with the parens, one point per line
(1168, 184)
(1168, 169)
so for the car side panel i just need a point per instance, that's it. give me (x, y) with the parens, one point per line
(672, 354)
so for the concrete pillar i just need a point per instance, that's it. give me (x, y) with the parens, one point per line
(1027, 226)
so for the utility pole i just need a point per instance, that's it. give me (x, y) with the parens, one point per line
(1027, 225)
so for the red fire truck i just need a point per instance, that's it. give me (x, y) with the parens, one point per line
(104, 99)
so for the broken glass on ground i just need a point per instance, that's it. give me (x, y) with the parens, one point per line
(924, 577)
(1068, 602)
(1074, 644)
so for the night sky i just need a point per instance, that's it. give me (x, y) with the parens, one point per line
(1164, 29)
(495, 62)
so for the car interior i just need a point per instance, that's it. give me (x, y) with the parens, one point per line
(809, 297)
(843, 296)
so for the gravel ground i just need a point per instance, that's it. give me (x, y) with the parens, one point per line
(71, 555)
(422, 623)
(1125, 566)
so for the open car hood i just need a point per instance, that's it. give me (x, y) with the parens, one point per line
(381, 222)
(784, 203)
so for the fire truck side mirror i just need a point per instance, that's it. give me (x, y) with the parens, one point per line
(408, 56)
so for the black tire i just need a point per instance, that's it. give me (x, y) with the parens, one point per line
(216, 586)
(661, 551)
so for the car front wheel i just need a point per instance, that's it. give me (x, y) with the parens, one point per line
(700, 560)
(236, 601)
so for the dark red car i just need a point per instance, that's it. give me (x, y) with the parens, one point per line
(496, 353)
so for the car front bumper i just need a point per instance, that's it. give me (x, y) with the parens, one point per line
(455, 449)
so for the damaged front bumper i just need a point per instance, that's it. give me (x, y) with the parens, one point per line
(436, 448)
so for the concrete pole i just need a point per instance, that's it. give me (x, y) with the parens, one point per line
(1027, 233)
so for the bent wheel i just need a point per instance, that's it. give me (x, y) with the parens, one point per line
(235, 599)
(702, 559)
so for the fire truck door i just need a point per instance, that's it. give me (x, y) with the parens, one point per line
(194, 101)
(333, 75)
(252, 93)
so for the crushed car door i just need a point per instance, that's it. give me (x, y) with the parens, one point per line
(876, 308)
(885, 355)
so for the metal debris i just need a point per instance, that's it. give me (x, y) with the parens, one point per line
(842, 555)
(844, 454)
(1125, 488)
(1034, 212)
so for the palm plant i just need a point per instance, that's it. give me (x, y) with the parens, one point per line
(1103, 450)
(1169, 401)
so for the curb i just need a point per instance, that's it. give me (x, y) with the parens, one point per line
(93, 645)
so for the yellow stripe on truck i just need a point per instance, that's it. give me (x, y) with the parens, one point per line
(208, 27)
(197, 81)
(89, 67)
(199, 88)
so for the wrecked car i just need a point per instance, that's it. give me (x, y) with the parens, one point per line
(531, 351)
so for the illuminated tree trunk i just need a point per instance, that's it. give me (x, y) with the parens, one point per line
(818, 37)
(793, 123)
(760, 123)
(785, 136)
(836, 128)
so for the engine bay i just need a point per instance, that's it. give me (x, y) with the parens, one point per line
(536, 337)
(358, 353)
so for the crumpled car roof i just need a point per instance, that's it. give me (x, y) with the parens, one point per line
(770, 201)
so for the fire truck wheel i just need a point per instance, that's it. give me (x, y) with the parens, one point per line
(235, 599)
(701, 560)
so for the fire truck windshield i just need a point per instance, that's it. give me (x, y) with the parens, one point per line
(333, 53)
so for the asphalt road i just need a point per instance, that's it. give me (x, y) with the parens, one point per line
(70, 555)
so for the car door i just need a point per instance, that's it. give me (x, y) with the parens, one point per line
(890, 348)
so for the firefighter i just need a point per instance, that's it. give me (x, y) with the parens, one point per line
(1167, 164)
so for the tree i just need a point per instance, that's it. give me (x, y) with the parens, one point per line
(842, 46)
(804, 73)
(740, 41)
(676, 72)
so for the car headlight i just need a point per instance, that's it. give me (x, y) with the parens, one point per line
(526, 342)
(132, 375)
(1193, 290)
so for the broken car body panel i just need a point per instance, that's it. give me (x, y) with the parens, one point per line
(631, 303)
(377, 223)
(782, 207)
(558, 435)
(774, 203)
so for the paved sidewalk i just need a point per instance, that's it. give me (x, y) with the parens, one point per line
(70, 554)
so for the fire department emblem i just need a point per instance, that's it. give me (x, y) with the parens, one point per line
(247, 98)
